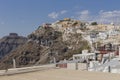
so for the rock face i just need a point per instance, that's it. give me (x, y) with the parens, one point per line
(9, 43)
(46, 44)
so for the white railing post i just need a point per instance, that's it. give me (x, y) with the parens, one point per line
(14, 63)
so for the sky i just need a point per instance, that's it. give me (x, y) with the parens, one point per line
(24, 16)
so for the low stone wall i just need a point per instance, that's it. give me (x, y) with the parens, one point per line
(62, 65)
(72, 66)
(26, 69)
(77, 66)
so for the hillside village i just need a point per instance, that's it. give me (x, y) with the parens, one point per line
(98, 33)
(62, 40)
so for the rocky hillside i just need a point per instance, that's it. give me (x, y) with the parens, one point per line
(49, 42)
(10, 42)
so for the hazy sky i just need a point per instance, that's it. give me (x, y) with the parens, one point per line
(24, 16)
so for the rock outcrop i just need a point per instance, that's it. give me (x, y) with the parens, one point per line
(10, 43)
(46, 44)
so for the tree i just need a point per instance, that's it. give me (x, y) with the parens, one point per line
(94, 23)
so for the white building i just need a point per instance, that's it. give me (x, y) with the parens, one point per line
(102, 35)
(84, 56)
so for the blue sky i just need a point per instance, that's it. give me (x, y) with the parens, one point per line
(24, 16)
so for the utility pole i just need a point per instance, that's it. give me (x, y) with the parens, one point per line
(119, 51)
(109, 68)
(96, 46)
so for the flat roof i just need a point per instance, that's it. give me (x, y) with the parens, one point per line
(87, 54)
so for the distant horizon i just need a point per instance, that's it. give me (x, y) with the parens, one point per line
(23, 16)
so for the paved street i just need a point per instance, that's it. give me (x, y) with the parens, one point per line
(62, 74)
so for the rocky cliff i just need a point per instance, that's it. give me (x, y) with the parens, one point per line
(10, 42)
(48, 42)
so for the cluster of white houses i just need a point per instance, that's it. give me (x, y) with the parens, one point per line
(105, 58)
(107, 61)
